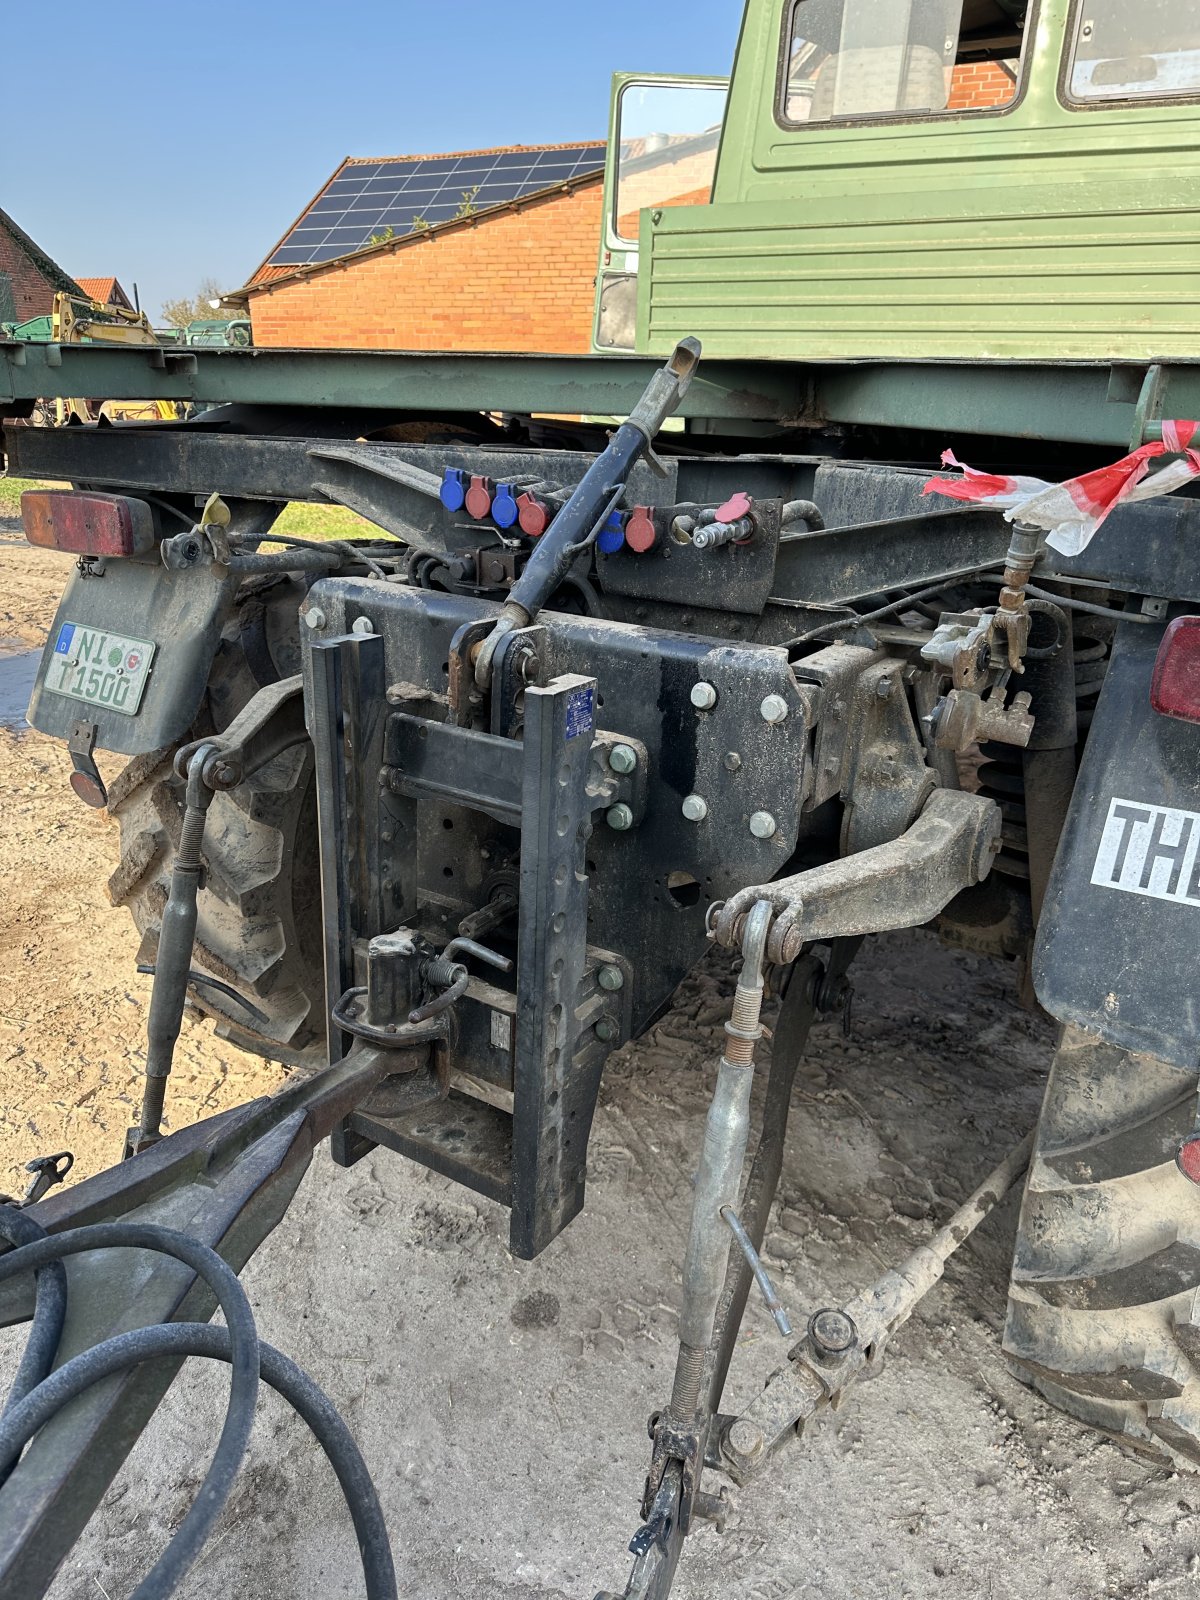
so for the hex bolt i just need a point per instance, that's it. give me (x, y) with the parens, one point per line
(746, 1440)
(622, 758)
(606, 1030)
(774, 708)
(611, 978)
(732, 762)
(619, 817)
(315, 617)
(703, 696)
(695, 808)
(763, 825)
(363, 626)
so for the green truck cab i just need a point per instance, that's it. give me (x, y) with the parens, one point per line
(941, 181)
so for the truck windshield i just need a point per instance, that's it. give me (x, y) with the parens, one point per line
(667, 148)
(886, 58)
(1122, 51)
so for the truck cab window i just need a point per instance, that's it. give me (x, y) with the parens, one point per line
(667, 149)
(1125, 52)
(899, 58)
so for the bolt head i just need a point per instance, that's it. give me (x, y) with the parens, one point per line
(619, 817)
(622, 758)
(703, 696)
(695, 808)
(732, 762)
(884, 687)
(363, 626)
(606, 1030)
(774, 709)
(832, 1333)
(763, 825)
(611, 978)
(746, 1440)
(315, 618)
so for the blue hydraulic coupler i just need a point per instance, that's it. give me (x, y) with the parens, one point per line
(612, 535)
(504, 506)
(454, 488)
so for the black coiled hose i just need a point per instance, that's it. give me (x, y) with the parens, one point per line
(38, 1394)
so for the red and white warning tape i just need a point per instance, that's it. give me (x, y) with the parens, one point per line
(1071, 512)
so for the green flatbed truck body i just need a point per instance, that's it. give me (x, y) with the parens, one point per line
(1071, 402)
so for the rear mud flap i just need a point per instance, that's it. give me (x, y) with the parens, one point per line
(1116, 945)
(182, 613)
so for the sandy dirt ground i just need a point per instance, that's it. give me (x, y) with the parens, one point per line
(502, 1404)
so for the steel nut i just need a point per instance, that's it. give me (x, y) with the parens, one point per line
(774, 709)
(695, 808)
(763, 825)
(619, 817)
(703, 696)
(622, 758)
(314, 617)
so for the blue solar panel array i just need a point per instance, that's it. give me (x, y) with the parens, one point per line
(368, 197)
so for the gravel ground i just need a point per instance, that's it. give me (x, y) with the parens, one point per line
(502, 1404)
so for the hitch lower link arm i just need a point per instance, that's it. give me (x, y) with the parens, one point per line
(841, 1344)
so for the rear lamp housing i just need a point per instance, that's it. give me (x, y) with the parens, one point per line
(87, 524)
(1175, 686)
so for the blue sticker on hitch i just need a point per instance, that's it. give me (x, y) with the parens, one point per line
(580, 712)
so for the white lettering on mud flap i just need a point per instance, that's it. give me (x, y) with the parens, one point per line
(1150, 850)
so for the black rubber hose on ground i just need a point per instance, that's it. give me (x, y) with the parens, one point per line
(49, 1313)
(193, 1531)
(178, 1339)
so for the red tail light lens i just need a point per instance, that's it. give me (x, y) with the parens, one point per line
(1175, 687)
(87, 524)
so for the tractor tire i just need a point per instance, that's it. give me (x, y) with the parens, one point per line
(1104, 1310)
(259, 915)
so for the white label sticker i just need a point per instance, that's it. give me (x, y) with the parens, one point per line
(501, 1030)
(1150, 850)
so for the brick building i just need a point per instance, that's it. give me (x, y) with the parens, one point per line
(29, 279)
(464, 274)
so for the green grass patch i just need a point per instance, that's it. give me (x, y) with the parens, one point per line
(304, 521)
(11, 490)
(299, 519)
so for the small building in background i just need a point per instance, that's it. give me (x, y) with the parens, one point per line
(29, 278)
(472, 250)
(107, 291)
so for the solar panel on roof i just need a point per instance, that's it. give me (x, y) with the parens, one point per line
(362, 201)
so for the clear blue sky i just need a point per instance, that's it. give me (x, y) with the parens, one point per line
(169, 142)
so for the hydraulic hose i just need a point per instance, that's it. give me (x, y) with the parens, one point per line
(49, 1312)
(174, 1340)
(36, 1398)
(193, 1531)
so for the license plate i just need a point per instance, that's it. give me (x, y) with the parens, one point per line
(100, 668)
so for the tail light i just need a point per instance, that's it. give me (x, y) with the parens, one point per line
(1175, 686)
(87, 524)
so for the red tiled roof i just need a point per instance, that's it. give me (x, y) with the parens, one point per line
(106, 290)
